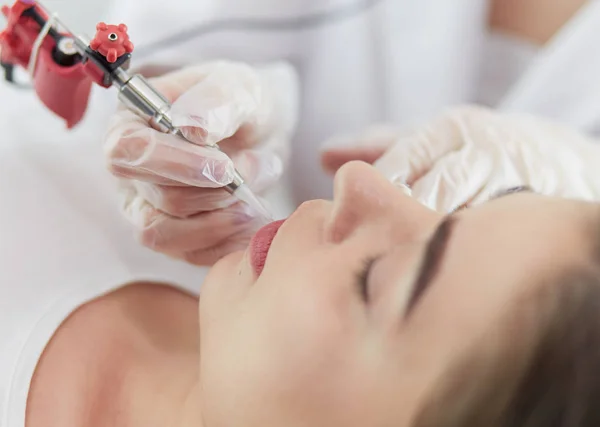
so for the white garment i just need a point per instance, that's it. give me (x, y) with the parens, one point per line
(504, 60)
(62, 241)
(380, 65)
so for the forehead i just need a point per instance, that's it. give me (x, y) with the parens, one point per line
(522, 239)
(523, 221)
(497, 255)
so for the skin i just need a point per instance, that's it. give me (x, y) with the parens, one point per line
(298, 346)
(534, 20)
(310, 348)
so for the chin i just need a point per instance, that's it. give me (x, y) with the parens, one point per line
(226, 268)
(223, 279)
(230, 261)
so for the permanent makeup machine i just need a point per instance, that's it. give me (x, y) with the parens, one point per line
(63, 66)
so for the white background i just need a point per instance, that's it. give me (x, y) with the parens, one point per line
(81, 15)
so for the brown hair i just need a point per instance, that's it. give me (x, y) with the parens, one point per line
(557, 383)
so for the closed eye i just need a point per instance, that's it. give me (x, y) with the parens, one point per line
(499, 194)
(362, 279)
(512, 190)
(362, 276)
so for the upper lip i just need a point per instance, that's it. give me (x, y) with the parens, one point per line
(260, 258)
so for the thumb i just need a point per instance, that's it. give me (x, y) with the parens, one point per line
(334, 159)
(215, 107)
(415, 154)
(173, 83)
(367, 148)
(260, 168)
(455, 182)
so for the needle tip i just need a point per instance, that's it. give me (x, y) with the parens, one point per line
(244, 194)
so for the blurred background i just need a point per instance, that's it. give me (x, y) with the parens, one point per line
(81, 15)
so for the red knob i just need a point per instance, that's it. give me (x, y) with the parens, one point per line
(111, 41)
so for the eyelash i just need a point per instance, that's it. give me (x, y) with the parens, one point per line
(362, 279)
(499, 194)
(362, 276)
(513, 190)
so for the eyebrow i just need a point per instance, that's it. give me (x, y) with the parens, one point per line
(432, 260)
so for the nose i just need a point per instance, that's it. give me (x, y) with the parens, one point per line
(363, 195)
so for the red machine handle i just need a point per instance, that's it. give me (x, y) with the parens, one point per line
(60, 81)
(63, 90)
(62, 77)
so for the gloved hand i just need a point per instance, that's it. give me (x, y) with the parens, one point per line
(469, 154)
(172, 189)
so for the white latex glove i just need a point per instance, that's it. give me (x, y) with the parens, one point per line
(469, 154)
(172, 189)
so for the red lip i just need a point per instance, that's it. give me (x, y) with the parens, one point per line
(260, 244)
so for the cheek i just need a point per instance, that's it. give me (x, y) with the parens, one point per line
(224, 287)
(286, 353)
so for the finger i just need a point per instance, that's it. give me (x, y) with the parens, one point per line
(214, 108)
(208, 257)
(176, 82)
(235, 95)
(331, 161)
(172, 82)
(164, 233)
(414, 155)
(183, 201)
(154, 70)
(454, 182)
(205, 82)
(137, 151)
(259, 169)
(367, 147)
(244, 138)
(504, 177)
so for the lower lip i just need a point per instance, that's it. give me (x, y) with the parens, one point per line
(260, 244)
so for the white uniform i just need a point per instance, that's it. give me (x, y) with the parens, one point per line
(399, 61)
(62, 239)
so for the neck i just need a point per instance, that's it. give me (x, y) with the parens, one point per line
(130, 358)
(158, 394)
(151, 362)
(149, 395)
(190, 415)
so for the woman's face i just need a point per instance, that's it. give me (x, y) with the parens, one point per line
(366, 302)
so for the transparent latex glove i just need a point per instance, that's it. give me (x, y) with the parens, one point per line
(469, 154)
(172, 189)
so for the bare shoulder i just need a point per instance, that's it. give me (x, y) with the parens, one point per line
(534, 20)
(86, 364)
